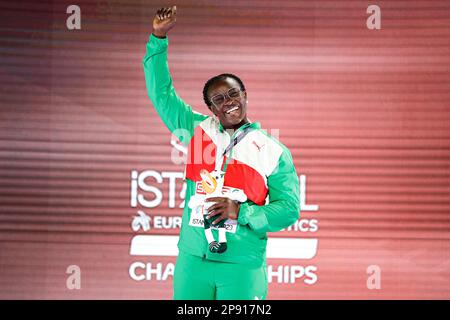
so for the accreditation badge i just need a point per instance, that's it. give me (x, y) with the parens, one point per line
(196, 219)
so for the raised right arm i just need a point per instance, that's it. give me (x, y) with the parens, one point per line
(177, 115)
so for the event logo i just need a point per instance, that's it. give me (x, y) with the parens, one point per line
(146, 222)
(147, 195)
(142, 190)
(141, 221)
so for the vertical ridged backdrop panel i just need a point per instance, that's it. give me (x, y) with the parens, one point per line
(364, 112)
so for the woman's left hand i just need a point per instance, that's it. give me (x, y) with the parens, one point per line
(224, 208)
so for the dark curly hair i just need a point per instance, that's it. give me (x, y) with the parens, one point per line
(222, 76)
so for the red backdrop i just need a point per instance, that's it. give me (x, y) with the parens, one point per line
(365, 113)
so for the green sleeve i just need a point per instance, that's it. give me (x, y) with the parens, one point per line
(178, 116)
(283, 208)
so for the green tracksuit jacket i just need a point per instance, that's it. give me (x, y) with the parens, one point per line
(259, 165)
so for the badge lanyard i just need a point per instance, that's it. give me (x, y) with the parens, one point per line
(234, 142)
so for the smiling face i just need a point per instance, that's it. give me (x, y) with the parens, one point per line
(231, 111)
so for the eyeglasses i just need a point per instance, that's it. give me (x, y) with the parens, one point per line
(219, 99)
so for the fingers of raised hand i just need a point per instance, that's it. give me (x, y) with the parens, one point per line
(162, 13)
(169, 12)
